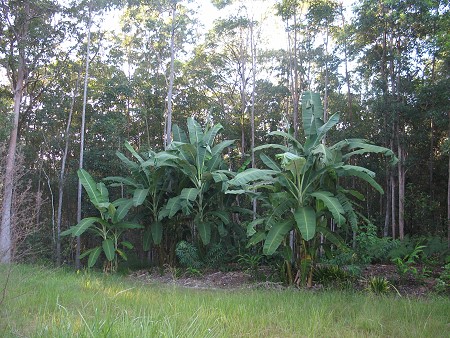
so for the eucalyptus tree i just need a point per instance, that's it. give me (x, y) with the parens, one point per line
(390, 39)
(299, 40)
(155, 34)
(321, 16)
(30, 37)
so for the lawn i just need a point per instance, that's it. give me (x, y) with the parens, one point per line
(43, 302)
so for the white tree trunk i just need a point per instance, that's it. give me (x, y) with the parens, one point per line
(6, 231)
(6, 242)
(61, 174)
(168, 136)
(83, 127)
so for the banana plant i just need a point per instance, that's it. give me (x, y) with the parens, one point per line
(149, 184)
(200, 161)
(303, 185)
(109, 226)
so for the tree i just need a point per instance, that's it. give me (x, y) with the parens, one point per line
(29, 40)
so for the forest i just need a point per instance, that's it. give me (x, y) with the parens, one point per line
(201, 134)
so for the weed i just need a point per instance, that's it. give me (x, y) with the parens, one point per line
(379, 285)
(193, 272)
(405, 265)
(250, 263)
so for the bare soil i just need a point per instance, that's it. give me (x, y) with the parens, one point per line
(232, 280)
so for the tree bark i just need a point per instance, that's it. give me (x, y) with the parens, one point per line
(168, 138)
(393, 208)
(61, 174)
(82, 132)
(6, 231)
(448, 193)
(401, 192)
(253, 54)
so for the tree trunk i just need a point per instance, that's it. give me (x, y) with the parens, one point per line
(295, 85)
(325, 96)
(387, 217)
(448, 193)
(401, 192)
(168, 138)
(393, 208)
(83, 127)
(6, 241)
(243, 85)
(62, 172)
(6, 231)
(252, 118)
(347, 74)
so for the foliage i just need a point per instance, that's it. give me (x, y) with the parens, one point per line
(333, 276)
(250, 263)
(405, 264)
(443, 281)
(109, 226)
(303, 189)
(149, 185)
(198, 158)
(188, 255)
(216, 256)
(371, 248)
(378, 285)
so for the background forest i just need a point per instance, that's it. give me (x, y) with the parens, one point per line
(78, 91)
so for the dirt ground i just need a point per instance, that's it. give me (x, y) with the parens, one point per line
(231, 280)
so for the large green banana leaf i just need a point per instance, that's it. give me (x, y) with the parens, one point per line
(275, 236)
(305, 217)
(195, 131)
(332, 204)
(108, 249)
(96, 196)
(204, 229)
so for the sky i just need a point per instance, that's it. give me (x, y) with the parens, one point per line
(272, 30)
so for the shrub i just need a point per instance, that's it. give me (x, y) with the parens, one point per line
(332, 276)
(443, 281)
(216, 256)
(373, 249)
(187, 255)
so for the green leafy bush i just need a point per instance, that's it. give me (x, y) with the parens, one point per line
(188, 255)
(443, 281)
(373, 249)
(216, 256)
(332, 276)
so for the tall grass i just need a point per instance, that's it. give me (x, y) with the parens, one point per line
(43, 302)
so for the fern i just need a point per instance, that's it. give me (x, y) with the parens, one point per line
(188, 255)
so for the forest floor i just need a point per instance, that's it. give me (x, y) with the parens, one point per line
(409, 285)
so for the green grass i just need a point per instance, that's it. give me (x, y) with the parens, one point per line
(44, 302)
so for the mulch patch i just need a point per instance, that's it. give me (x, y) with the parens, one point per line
(231, 280)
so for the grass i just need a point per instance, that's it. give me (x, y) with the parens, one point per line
(44, 302)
